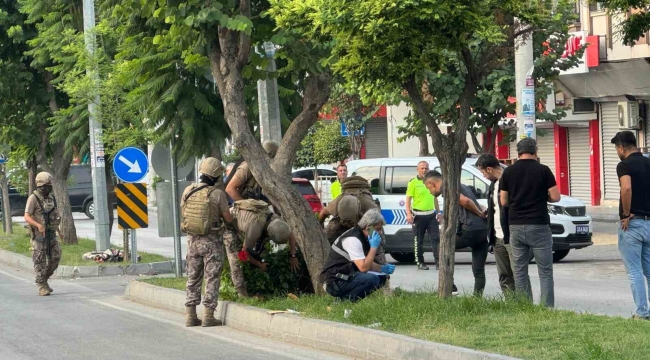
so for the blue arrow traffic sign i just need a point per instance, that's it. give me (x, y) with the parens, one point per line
(130, 165)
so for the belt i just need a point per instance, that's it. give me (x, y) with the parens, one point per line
(422, 213)
(642, 217)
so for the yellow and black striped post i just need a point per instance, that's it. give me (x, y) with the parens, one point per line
(132, 212)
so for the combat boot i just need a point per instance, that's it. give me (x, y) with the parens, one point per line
(190, 316)
(42, 290)
(209, 320)
(48, 286)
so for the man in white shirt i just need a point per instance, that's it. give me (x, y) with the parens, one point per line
(350, 272)
(498, 233)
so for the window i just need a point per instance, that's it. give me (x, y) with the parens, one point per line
(478, 187)
(596, 7)
(397, 179)
(370, 173)
(303, 174)
(304, 188)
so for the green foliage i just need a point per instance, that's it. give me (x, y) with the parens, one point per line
(277, 280)
(323, 144)
(637, 19)
(329, 145)
(231, 158)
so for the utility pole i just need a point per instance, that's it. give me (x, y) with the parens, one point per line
(178, 259)
(98, 165)
(525, 87)
(269, 103)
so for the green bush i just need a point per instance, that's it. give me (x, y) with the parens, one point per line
(277, 280)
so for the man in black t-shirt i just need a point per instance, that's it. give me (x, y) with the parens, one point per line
(526, 187)
(634, 211)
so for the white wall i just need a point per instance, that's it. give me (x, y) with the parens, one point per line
(410, 147)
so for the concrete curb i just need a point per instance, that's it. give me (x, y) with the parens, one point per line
(348, 340)
(69, 271)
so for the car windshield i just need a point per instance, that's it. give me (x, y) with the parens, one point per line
(305, 188)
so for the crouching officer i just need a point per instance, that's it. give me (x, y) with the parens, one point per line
(204, 209)
(43, 218)
(254, 225)
(351, 257)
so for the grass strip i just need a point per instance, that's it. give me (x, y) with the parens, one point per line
(19, 243)
(514, 328)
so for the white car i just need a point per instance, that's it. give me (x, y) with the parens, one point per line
(388, 177)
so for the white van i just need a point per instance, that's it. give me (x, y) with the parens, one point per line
(388, 177)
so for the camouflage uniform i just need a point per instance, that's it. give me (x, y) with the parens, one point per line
(43, 267)
(205, 256)
(233, 247)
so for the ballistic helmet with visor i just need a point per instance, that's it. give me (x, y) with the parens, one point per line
(278, 231)
(211, 167)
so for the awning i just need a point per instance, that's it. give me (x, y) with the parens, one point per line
(630, 77)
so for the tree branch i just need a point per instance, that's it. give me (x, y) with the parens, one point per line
(244, 39)
(316, 94)
(421, 109)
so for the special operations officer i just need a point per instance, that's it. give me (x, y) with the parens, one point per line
(241, 184)
(254, 225)
(43, 217)
(421, 212)
(204, 209)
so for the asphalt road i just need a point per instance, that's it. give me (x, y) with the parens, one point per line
(90, 319)
(587, 280)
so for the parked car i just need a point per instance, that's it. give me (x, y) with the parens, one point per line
(571, 227)
(326, 175)
(80, 190)
(308, 192)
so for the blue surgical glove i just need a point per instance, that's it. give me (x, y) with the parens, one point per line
(375, 240)
(388, 268)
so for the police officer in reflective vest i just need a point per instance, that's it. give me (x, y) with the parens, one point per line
(346, 273)
(204, 208)
(421, 212)
(44, 218)
(341, 173)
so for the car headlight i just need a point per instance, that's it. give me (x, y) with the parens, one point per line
(555, 210)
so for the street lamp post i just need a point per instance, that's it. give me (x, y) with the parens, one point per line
(269, 103)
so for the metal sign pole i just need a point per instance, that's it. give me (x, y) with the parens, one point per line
(175, 214)
(134, 248)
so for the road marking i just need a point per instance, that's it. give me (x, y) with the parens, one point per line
(201, 330)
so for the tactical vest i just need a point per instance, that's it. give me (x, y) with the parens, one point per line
(338, 261)
(45, 205)
(246, 211)
(198, 217)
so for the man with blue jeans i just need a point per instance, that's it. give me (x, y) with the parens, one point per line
(634, 211)
(525, 188)
(346, 273)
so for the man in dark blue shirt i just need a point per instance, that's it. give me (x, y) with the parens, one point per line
(634, 211)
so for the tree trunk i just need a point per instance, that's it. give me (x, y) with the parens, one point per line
(6, 205)
(32, 169)
(477, 146)
(228, 57)
(67, 229)
(424, 145)
(451, 151)
(493, 138)
(59, 168)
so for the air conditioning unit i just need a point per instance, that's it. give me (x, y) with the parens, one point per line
(582, 106)
(628, 115)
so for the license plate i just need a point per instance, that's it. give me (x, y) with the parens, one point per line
(582, 230)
